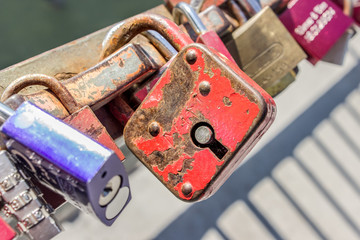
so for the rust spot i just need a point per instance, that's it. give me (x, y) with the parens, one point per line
(227, 102)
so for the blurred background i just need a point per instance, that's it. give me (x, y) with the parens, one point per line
(302, 181)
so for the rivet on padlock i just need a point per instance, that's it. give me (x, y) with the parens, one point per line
(263, 48)
(199, 121)
(89, 175)
(207, 37)
(316, 25)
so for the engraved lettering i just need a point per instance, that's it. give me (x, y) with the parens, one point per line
(318, 18)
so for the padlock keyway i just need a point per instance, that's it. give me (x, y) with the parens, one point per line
(203, 136)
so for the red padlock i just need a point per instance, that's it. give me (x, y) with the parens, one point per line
(201, 118)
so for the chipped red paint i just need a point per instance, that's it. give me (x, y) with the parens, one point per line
(269, 100)
(161, 142)
(204, 161)
(157, 93)
(231, 121)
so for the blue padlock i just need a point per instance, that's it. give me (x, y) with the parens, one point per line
(89, 175)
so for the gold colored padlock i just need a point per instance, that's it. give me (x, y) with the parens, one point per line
(265, 50)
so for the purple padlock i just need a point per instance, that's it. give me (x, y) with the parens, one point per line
(316, 25)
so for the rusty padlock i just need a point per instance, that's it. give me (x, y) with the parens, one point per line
(205, 36)
(263, 48)
(201, 118)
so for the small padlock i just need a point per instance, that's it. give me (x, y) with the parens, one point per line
(200, 119)
(316, 25)
(263, 48)
(205, 36)
(23, 201)
(89, 175)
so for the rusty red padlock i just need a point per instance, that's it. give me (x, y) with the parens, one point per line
(201, 118)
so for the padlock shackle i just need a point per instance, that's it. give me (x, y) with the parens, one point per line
(140, 23)
(161, 44)
(44, 80)
(185, 9)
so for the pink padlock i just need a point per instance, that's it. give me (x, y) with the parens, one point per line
(316, 25)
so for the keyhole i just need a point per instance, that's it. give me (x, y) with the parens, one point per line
(203, 136)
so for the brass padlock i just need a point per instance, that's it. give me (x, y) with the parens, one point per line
(264, 49)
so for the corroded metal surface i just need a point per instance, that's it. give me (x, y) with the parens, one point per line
(160, 133)
(66, 60)
(40, 79)
(101, 83)
(140, 23)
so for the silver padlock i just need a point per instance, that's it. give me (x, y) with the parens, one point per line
(24, 201)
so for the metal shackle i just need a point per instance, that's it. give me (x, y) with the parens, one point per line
(140, 23)
(185, 9)
(160, 43)
(44, 80)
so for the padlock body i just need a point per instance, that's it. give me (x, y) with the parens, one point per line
(209, 91)
(264, 49)
(316, 25)
(63, 159)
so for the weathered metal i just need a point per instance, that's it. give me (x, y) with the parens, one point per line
(161, 131)
(41, 79)
(66, 60)
(100, 84)
(140, 23)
